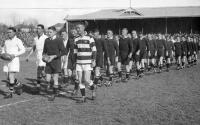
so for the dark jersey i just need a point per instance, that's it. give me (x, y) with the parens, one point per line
(113, 48)
(125, 46)
(169, 46)
(152, 45)
(100, 46)
(70, 47)
(161, 44)
(184, 46)
(178, 48)
(135, 44)
(143, 44)
(54, 47)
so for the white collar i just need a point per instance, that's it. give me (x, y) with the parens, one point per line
(54, 37)
(13, 38)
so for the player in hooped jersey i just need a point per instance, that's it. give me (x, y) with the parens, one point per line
(85, 55)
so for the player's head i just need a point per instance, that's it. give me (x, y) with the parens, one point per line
(149, 36)
(11, 32)
(40, 29)
(124, 32)
(109, 33)
(64, 34)
(80, 28)
(52, 31)
(96, 33)
(160, 36)
(73, 32)
(134, 34)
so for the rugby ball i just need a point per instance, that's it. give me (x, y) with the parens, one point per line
(6, 57)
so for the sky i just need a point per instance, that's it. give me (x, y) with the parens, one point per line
(49, 12)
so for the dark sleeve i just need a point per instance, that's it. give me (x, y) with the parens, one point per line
(105, 48)
(155, 44)
(138, 44)
(147, 44)
(67, 47)
(116, 47)
(45, 47)
(130, 46)
(164, 44)
(61, 48)
(93, 48)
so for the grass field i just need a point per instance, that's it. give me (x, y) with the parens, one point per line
(171, 98)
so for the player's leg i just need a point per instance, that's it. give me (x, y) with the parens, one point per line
(87, 75)
(119, 64)
(11, 85)
(81, 85)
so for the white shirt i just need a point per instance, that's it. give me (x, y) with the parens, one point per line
(39, 44)
(65, 43)
(14, 46)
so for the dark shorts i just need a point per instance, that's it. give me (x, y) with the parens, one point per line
(99, 60)
(184, 54)
(112, 60)
(160, 53)
(124, 59)
(169, 54)
(177, 54)
(40, 71)
(143, 54)
(152, 54)
(53, 67)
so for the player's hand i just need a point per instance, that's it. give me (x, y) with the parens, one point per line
(12, 56)
(116, 59)
(52, 57)
(130, 55)
(167, 53)
(149, 54)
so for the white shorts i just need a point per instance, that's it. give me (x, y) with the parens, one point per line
(12, 66)
(83, 67)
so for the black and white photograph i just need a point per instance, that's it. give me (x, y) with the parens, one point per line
(99, 62)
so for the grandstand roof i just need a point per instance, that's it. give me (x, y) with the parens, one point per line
(139, 13)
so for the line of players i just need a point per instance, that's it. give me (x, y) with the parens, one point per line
(85, 54)
(151, 51)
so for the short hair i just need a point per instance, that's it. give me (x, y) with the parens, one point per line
(96, 30)
(125, 28)
(40, 25)
(13, 29)
(109, 30)
(52, 28)
(84, 23)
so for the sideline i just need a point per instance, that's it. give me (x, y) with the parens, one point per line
(15, 103)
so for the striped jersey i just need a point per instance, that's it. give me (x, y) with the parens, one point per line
(84, 49)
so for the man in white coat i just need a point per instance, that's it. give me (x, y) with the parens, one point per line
(38, 48)
(15, 48)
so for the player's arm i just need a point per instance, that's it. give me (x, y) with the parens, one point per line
(130, 48)
(116, 50)
(138, 47)
(94, 50)
(45, 48)
(105, 48)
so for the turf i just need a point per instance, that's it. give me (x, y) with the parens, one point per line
(169, 98)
